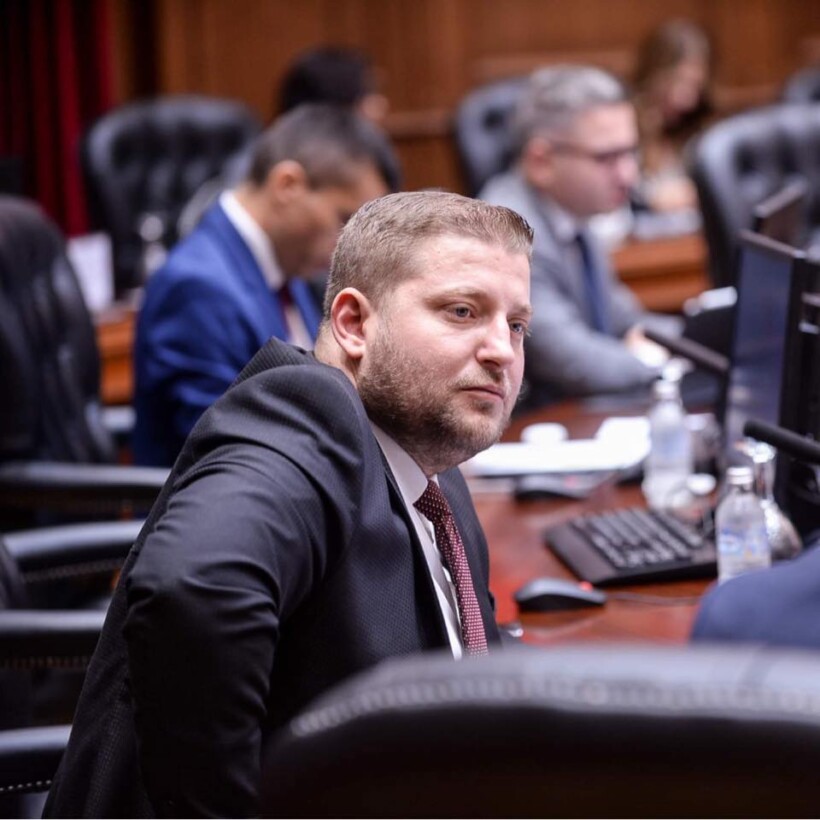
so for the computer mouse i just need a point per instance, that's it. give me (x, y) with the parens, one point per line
(553, 594)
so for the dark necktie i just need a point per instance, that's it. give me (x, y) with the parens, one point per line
(433, 506)
(593, 285)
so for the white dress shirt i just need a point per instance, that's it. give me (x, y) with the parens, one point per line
(263, 252)
(412, 483)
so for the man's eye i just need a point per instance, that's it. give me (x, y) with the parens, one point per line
(461, 311)
(519, 328)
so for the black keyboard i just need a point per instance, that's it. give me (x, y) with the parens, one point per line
(633, 546)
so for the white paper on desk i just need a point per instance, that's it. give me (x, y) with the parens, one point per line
(579, 456)
(92, 260)
(634, 428)
(544, 433)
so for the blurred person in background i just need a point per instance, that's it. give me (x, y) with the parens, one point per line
(334, 74)
(240, 277)
(672, 100)
(578, 147)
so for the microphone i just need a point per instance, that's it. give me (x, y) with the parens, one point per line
(700, 355)
(799, 447)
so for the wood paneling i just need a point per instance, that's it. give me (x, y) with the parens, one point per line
(431, 52)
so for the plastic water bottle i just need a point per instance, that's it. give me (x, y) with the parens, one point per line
(670, 460)
(740, 523)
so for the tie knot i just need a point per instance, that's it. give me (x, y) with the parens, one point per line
(433, 504)
(285, 296)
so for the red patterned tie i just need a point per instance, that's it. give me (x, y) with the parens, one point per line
(433, 506)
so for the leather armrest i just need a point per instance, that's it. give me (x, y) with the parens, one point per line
(41, 639)
(51, 551)
(82, 488)
(29, 758)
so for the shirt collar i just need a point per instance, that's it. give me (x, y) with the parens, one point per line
(409, 476)
(255, 238)
(565, 226)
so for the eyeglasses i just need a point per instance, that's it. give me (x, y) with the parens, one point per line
(603, 158)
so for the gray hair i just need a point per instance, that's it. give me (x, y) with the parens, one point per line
(376, 249)
(557, 95)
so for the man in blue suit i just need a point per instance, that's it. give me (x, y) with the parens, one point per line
(777, 606)
(240, 277)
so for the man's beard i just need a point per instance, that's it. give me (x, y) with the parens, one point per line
(404, 399)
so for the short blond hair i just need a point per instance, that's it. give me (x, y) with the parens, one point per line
(376, 249)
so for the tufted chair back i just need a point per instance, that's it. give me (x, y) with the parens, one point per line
(143, 161)
(744, 159)
(570, 731)
(49, 365)
(482, 131)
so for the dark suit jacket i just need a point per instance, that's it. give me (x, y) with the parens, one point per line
(278, 560)
(206, 313)
(778, 606)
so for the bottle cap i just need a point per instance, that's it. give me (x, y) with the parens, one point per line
(739, 477)
(663, 389)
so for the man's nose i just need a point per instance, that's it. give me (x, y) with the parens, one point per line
(497, 343)
(627, 169)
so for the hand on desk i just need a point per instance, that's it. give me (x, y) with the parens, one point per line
(651, 354)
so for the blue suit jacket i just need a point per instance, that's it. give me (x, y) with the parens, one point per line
(778, 606)
(206, 313)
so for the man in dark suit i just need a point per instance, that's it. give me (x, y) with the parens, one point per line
(578, 142)
(240, 276)
(304, 533)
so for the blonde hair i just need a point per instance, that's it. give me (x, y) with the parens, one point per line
(376, 248)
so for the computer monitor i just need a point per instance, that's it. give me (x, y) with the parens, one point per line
(782, 216)
(763, 380)
(797, 482)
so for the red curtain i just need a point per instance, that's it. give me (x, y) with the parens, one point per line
(55, 80)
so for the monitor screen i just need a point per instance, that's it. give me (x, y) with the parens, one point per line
(770, 280)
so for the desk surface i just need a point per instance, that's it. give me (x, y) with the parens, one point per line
(662, 273)
(659, 612)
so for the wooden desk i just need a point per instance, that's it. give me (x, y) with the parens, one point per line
(115, 341)
(663, 273)
(517, 554)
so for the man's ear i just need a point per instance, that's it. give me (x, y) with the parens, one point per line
(286, 180)
(350, 318)
(536, 162)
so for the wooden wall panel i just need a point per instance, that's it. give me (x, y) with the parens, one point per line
(430, 52)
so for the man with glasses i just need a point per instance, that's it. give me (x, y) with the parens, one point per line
(578, 141)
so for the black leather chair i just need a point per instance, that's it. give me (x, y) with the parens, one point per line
(28, 761)
(55, 449)
(42, 572)
(584, 731)
(143, 161)
(483, 135)
(32, 642)
(744, 159)
(803, 86)
(35, 562)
